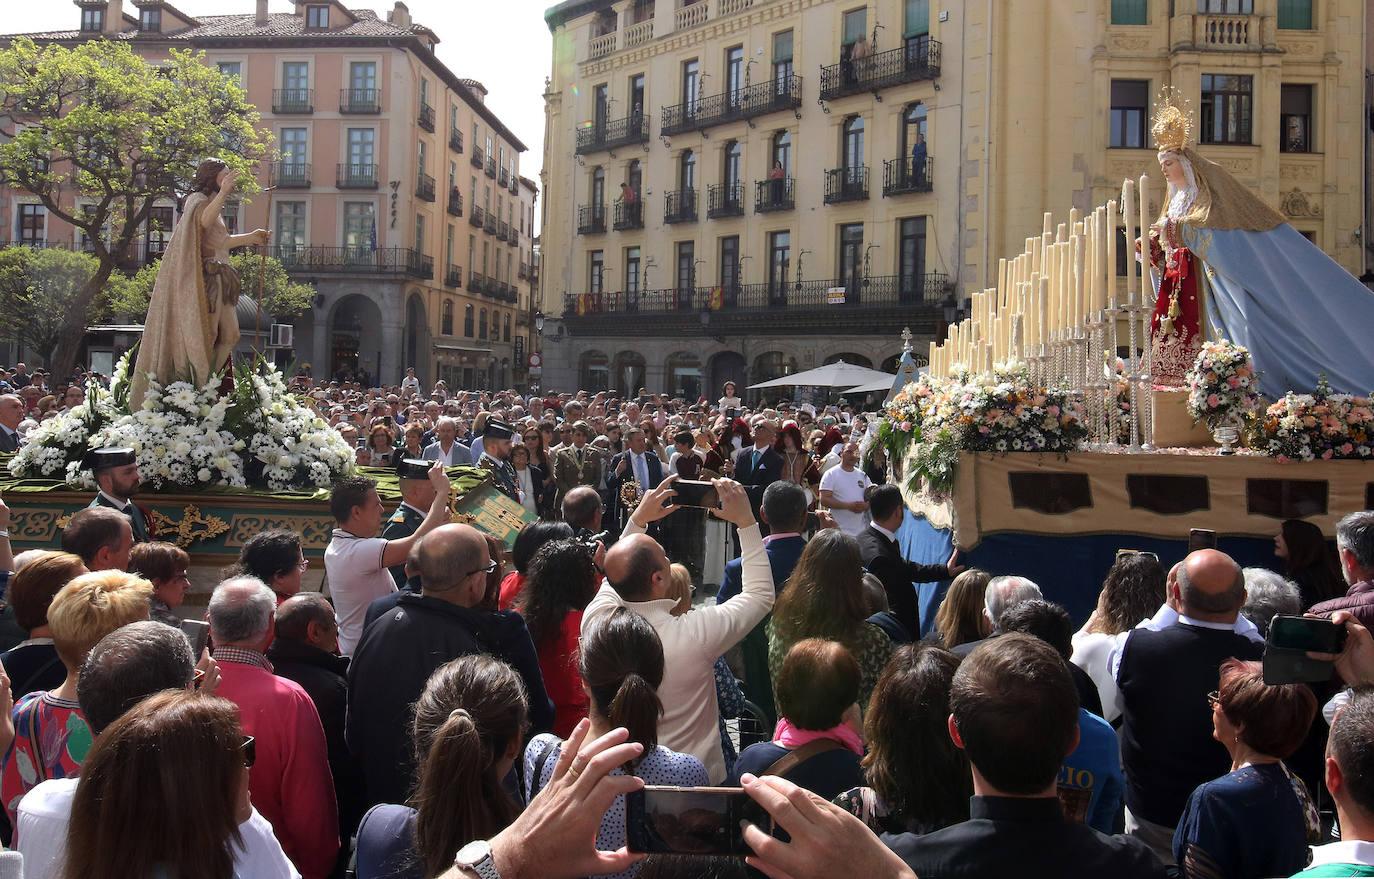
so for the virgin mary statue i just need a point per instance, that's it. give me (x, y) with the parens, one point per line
(192, 327)
(1220, 251)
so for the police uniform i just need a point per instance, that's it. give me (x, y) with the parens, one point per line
(503, 474)
(406, 520)
(101, 459)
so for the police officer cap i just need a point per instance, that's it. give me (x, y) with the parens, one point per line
(101, 459)
(413, 468)
(496, 429)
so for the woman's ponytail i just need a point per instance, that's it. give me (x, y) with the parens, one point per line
(622, 664)
(636, 707)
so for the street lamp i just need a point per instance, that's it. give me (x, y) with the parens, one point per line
(539, 322)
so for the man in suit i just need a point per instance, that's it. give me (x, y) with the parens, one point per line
(446, 447)
(883, 557)
(636, 464)
(784, 509)
(576, 463)
(758, 467)
(11, 413)
(116, 473)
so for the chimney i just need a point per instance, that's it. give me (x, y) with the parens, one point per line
(114, 16)
(261, 20)
(400, 16)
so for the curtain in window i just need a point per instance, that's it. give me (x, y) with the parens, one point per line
(1295, 15)
(917, 18)
(1130, 12)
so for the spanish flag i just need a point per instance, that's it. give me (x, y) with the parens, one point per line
(581, 304)
(717, 298)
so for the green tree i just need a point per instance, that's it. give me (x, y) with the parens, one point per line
(278, 295)
(97, 121)
(38, 288)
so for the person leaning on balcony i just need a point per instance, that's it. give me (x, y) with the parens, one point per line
(776, 175)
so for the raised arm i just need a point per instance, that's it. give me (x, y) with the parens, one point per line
(397, 551)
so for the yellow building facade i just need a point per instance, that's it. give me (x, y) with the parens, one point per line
(737, 189)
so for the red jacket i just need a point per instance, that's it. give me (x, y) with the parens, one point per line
(290, 781)
(1358, 599)
(558, 659)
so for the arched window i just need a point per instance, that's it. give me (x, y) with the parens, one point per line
(733, 155)
(507, 326)
(467, 321)
(687, 171)
(852, 146)
(446, 323)
(782, 151)
(482, 324)
(598, 186)
(913, 128)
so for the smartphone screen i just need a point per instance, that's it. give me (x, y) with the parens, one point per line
(197, 633)
(1306, 633)
(695, 493)
(691, 820)
(1201, 538)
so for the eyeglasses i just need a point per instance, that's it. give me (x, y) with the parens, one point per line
(303, 564)
(490, 568)
(1214, 698)
(250, 751)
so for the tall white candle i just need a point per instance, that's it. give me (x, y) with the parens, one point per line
(1146, 293)
(1111, 253)
(1128, 216)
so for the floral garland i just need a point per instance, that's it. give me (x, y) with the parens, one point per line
(997, 412)
(1222, 385)
(1319, 425)
(186, 435)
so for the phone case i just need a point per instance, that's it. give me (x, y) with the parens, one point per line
(1283, 665)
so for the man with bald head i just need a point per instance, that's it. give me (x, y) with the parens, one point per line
(405, 644)
(11, 413)
(638, 575)
(1164, 676)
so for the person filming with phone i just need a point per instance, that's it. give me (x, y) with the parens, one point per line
(638, 576)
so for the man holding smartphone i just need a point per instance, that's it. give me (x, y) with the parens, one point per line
(638, 576)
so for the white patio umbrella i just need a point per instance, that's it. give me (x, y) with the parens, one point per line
(874, 387)
(833, 375)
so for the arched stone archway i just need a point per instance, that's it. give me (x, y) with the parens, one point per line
(684, 376)
(628, 374)
(417, 338)
(593, 370)
(725, 366)
(355, 339)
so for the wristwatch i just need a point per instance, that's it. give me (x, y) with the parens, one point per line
(476, 857)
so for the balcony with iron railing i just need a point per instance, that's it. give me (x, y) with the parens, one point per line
(360, 101)
(774, 194)
(904, 175)
(455, 202)
(424, 187)
(357, 259)
(502, 177)
(491, 167)
(680, 206)
(524, 271)
(591, 219)
(614, 133)
(454, 276)
(426, 118)
(815, 307)
(759, 99)
(455, 140)
(724, 200)
(421, 266)
(846, 184)
(290, 175)
(477, 283)
(919, 59)
(475, 218)
(478, 159)
(293, 101)
(353, 176)
(490, 223)
(628, 215)
(505, 232)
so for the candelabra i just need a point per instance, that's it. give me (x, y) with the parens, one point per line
(1095, 387)
(1133, 375)
(1113, 342)
(1147, 379)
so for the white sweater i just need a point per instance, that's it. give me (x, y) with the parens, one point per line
(691, 645)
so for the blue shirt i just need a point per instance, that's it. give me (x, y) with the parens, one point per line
(1248, 824)
(1091, 785)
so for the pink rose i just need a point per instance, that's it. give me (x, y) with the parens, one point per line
(1347, 448)
(1213, 401)
(1052, 410)
(1326, 455)
(905, 426)
(1233, 382)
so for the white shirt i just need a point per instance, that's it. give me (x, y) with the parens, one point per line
(691, 645)
(1347, 851)
(847, 486)
(45, 812)
(353, 566)
(456, 454)
(526, 485)
(118, 504)
(890, 535)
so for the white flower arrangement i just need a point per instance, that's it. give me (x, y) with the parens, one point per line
(187, 436)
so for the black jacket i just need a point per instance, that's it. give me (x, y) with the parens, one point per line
(757, 479)
(1025, 838)
(323, 676)
(883, 559)
(394, 660)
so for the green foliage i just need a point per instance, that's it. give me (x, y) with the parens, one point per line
(281, 296)
(98, 122)
(37, 290)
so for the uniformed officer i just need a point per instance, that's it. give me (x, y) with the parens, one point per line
(417, 494)
(116, 472)
(496, 443)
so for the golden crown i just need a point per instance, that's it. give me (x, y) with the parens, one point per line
(1173, 122)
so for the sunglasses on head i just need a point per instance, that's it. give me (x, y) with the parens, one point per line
(1127, 553)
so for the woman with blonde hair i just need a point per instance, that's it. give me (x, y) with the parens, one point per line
(960, 619)
(47, 735)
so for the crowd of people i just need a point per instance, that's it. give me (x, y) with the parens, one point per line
(446, 708)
